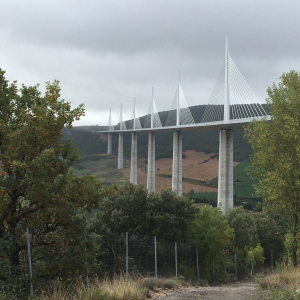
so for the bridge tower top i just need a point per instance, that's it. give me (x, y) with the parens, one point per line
(226, 85)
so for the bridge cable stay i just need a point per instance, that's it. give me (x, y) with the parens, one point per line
(121, 124)
(109, 126)
(152, 118)
(215, 109)
(186, 116)
(243, 103)
(135, 122)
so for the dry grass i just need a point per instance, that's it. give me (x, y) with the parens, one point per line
(121, 288)
(283, 285)
(117, 289)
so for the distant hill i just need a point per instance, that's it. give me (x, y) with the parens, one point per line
(92, 146)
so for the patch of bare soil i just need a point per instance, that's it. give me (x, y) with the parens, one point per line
(196, 165)
(237, 291)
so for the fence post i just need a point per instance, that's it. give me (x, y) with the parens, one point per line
(235, 266)
(126, 255)
(213, 269)
(197, 260)
(272, 269)
(86, 263)
(29, 261)
(176, 274)
(155, 258)
(225, 258)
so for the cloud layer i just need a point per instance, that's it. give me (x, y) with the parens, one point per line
(107, 52)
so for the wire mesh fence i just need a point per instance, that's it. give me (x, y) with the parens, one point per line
(112, 255)
(14, 267)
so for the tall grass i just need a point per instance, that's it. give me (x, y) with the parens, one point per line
(284, 285)
(117, 289)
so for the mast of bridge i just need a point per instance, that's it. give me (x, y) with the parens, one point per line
(133, 167)
(151, 150)
(177, 149)
(120, 145)
(109, 136)
(225, 176)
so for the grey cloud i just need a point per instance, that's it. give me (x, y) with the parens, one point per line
(108, 52)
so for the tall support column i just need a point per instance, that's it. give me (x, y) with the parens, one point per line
(177, 163)
(151, 163)
(133, 168)
(225, 179)
(109, 143)
(120, 151)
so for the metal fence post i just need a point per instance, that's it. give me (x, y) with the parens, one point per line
(213, 269)
(235, 266)
(272, 267)
(155, 258)
(197, 260)
(225, 262)
(126, 255)
(29, 261)
(86, 263)
(176, 274)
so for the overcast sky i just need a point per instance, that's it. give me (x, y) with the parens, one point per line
(105, 53)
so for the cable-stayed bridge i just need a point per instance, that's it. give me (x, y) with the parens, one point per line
(232, 104)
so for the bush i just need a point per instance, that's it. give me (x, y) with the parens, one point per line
(152, 283)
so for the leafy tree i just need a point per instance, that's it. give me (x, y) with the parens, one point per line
(252, 229)
(212, 234)
(276, 154)
(38, 190)
(131, 208)
(255, 256)
(245, 228)
(270, 236)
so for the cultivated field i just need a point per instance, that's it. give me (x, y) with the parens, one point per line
(196, 166)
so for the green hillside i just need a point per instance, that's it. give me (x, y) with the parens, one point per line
(243, 190)
(92, 146)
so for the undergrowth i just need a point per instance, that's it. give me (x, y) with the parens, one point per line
(118, 288)
(284, 285)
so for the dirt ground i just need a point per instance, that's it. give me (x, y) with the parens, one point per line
(196, 165)
(237, 291)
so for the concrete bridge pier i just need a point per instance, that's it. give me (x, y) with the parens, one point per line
(133, 167)
(225, 179)
(109, 143)
(177, 163)
(151, 162)
(120, 151)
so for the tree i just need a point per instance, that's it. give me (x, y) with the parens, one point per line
(276, 154)
(38, 190)
(212, 234)
(131, 208)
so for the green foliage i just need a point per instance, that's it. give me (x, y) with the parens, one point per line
(276, 157)
(256, 255)
(38, 187)
(130, 208)
(212, 234)
(251, 229)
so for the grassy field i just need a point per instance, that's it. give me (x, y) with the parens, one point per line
(242, 187)
(242, 183)
(105, 169)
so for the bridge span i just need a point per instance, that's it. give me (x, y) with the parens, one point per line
(231, 106)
